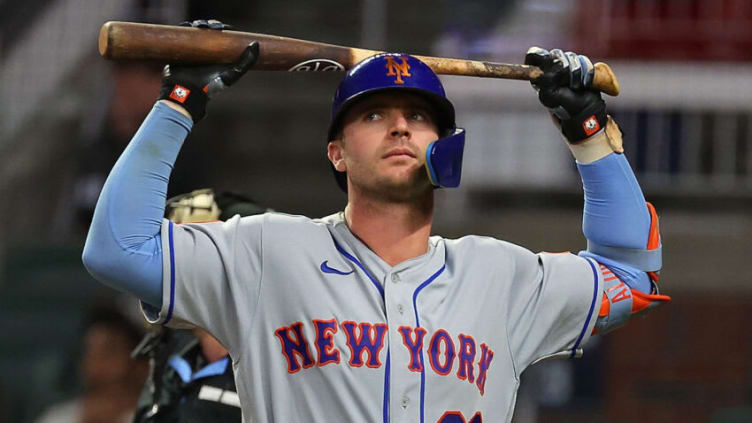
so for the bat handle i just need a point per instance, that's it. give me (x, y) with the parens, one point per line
(604, 79)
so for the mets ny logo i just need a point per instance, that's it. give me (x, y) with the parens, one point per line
(397, 69)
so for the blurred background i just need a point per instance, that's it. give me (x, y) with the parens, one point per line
(685, 68)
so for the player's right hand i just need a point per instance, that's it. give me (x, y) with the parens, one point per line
(193, 86)
(565, 88)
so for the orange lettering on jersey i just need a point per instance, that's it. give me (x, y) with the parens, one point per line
(396, 69)
(622, 295)
(615, 287)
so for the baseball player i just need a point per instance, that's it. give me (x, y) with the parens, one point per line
(191, 378)
(364, 315)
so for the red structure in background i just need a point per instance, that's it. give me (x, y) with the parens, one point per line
(697, 30)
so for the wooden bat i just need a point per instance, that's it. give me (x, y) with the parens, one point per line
(187, 45)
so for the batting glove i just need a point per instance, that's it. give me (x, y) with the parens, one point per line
(565, 88)
(193, 86)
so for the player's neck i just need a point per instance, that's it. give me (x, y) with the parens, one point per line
(394, 231)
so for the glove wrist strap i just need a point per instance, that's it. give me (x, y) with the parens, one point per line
(190, 96)
(598, 145)
(586, 123)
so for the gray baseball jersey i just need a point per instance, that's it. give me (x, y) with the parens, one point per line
(321, 329)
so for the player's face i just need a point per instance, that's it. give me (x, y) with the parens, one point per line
(383, 144)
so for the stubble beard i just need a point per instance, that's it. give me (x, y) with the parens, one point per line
(405, 190)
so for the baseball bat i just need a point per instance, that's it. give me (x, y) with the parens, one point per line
(187, 45)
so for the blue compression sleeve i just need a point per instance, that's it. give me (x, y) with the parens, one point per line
(615, 214)
(123, 248)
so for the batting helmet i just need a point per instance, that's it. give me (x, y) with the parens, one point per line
(395, 71)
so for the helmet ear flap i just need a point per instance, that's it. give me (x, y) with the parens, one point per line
(444, 160)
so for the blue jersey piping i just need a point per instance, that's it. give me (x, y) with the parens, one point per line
(172, 275)
(417, 323)
(354, 260)
(590, 312)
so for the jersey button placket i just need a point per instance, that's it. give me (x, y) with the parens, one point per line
(403, 383)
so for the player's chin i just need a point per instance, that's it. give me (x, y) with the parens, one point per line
(406, 186)
(402, 167)
(401, 177)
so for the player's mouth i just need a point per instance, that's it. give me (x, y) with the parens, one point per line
(399, 152)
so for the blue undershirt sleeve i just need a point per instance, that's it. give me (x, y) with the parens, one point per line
(615, 214)
(123, 248)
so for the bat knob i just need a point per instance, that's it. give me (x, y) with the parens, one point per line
(604, 79)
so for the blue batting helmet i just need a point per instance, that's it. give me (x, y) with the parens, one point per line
(394, 71)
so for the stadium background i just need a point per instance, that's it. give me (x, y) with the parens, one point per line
(685, 67)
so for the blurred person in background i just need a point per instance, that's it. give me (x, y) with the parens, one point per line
(191, 378)
(110, 379)
(130, 100)
(123, 115)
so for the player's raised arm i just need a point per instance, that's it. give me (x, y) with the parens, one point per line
(123, 248)
(621, 228)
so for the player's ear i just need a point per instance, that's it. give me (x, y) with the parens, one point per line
(336, 156)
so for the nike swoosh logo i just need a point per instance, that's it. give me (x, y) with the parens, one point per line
(326, 269)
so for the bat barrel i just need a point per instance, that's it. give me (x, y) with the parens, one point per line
(187, 45)
(170, 44)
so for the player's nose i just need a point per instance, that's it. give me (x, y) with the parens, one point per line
(399, 127)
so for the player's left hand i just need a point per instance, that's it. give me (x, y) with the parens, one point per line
(565, 88)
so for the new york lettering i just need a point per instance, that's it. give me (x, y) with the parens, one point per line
(445, 355)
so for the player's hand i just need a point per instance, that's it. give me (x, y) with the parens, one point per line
(193, 86)
(566, 89)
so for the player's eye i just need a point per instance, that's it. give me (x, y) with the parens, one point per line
(372, 116)
(417, 116)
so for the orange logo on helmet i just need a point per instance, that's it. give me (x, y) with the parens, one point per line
(396, 69)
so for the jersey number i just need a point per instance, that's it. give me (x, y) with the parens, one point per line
(457, 417)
